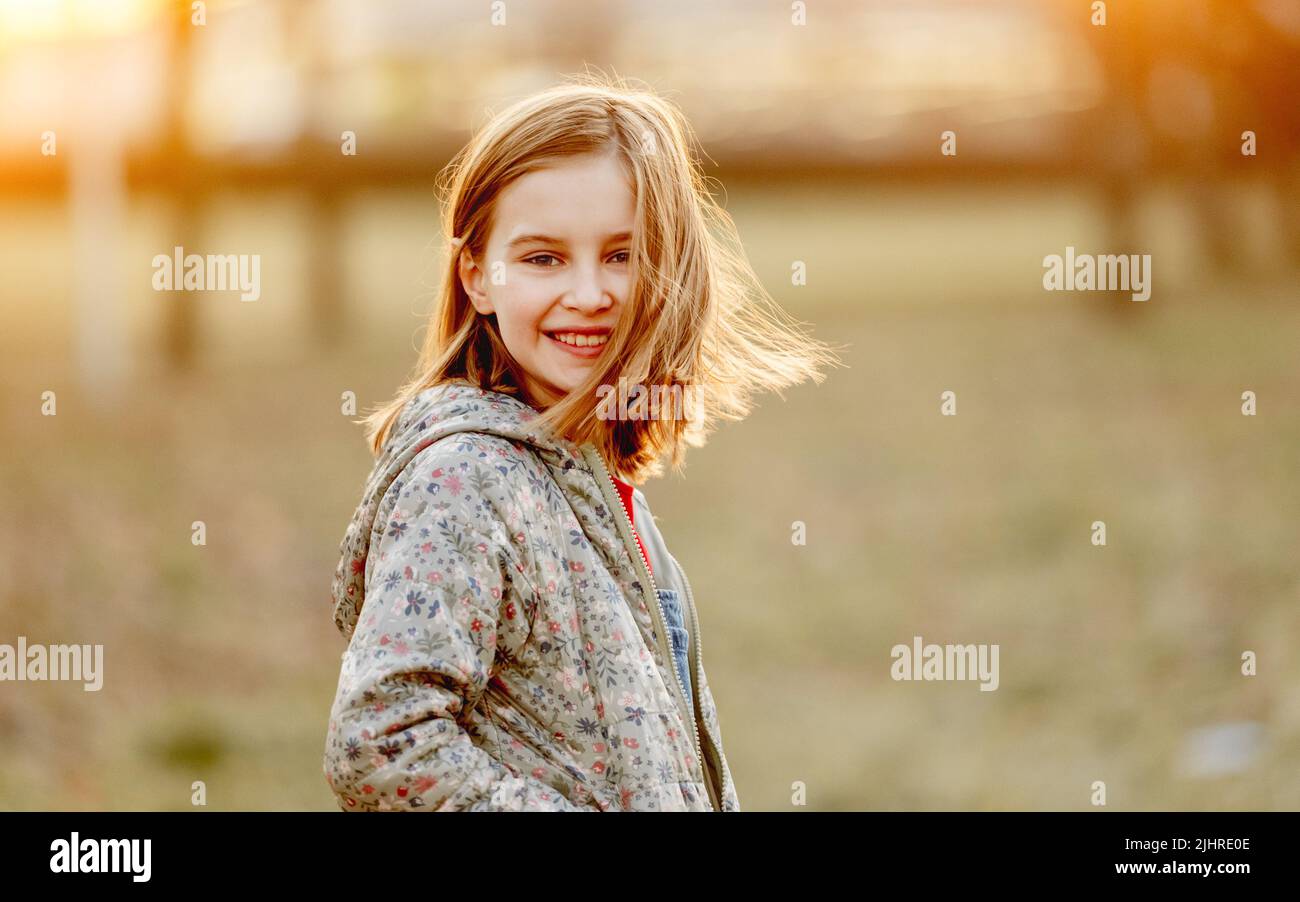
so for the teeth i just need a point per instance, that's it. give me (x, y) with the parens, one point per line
(581, 341)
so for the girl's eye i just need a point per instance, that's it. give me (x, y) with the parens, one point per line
(537, 258)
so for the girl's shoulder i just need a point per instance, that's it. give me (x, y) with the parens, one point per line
(469, 450)
(476, 469)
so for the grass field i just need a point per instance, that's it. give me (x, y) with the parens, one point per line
(1118, 663)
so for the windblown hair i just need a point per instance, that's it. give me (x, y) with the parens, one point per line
(697, 322)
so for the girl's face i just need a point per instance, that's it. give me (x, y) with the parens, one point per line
(556, 269)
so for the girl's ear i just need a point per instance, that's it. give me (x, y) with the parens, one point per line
(471, 279)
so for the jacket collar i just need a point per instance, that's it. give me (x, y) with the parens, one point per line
(665, 573)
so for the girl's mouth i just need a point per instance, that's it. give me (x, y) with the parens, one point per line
(579, 344)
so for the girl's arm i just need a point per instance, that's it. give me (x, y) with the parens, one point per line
(436, 606)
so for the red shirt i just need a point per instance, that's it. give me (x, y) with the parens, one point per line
(625, 492)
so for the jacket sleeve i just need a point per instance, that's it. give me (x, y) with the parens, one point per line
(438, 601)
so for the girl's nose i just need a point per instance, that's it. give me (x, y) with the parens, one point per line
(588, 294)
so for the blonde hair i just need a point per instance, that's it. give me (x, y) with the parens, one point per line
(696, 318)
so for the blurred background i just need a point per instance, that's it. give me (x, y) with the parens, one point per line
(128, 127)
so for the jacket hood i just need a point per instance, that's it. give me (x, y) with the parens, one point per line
(433, 414)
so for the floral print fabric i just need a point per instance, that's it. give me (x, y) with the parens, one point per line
(501, 653)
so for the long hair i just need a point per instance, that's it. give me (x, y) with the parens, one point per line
(697, 323)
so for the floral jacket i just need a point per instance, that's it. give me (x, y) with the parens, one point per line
(508, 648)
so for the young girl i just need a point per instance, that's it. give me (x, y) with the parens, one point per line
(520, 638)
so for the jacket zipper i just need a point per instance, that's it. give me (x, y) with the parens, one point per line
(594, 459)
(698, 651)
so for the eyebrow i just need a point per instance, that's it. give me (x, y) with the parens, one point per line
(548, 239)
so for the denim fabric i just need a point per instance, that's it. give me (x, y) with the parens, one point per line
(678, 638)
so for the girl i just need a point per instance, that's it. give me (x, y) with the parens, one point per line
(520, 638)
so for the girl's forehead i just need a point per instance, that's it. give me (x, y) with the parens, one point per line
(580, 179)
(576, 200)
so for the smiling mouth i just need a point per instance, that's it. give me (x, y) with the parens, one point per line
(579, 339)
(583, 345)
